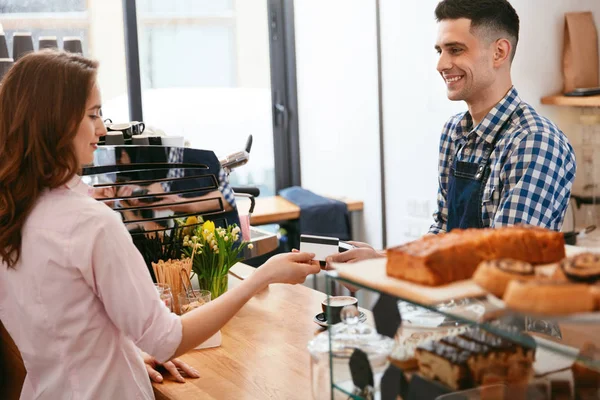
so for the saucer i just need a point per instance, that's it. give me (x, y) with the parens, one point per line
(321, 319)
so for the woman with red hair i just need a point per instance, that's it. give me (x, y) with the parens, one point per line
(75, 294)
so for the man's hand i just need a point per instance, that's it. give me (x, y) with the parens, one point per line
(363, 251)
(172, 366)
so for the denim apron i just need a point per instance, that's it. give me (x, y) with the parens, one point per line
(466, 185)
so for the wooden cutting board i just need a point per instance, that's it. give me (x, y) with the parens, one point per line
(371, 273)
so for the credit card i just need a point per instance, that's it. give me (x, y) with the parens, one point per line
(322, 246)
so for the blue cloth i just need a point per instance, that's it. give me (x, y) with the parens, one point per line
(466, 187)
(532, 165)
(319, 215)
(465, 192)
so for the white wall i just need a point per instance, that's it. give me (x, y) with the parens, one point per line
(416, 107)
(252, 44)
(336, 61)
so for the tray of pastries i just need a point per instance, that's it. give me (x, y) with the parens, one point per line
(568, 289)
(477, 364)
(437, 260)
(528, 269)
(439, 268)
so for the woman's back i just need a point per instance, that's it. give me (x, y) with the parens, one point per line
(63, 305)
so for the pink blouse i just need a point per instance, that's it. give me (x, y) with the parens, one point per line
(80, 300)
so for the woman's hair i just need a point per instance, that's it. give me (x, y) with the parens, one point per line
(42, 103)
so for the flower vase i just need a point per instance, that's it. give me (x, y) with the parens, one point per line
(217, 285)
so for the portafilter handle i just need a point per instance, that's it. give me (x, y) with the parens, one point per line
(238, 159)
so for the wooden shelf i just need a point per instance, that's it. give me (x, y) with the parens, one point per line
(560, 100)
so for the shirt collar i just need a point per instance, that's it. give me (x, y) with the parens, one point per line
(492, 122)
(77, 185)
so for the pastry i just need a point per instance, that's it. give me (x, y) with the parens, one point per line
(472, 358)
(584, 267)
(558, 275)
(445, 363)
(583, 376)
(494, 275)
(549, 297)
(449, 257)
(512, 351)
(595, 290)
(403, 354)
(560, 389)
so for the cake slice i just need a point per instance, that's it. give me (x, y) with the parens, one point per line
(498, 355)
(511, 351)
(445, 363)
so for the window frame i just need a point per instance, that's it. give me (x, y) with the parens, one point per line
(286, 142)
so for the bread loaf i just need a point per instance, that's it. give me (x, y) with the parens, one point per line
(448, 257)
(549, 298)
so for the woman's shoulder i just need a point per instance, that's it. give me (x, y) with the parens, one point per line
(63, 210)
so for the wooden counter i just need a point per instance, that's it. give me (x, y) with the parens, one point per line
(270, 210)
(263, 354)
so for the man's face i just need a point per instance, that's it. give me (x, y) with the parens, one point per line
(466, 60)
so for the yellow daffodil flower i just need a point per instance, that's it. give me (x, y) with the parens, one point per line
(207, 228)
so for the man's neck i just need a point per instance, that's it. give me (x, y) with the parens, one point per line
(487, 100)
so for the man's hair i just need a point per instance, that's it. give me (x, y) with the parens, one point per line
(493, 16)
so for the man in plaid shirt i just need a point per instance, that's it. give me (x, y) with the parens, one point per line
(501, 163)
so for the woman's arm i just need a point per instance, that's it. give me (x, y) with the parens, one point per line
(103, 250)
(203, 322)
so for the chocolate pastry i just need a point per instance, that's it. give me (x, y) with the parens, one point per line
(445, 363)
(471, 357)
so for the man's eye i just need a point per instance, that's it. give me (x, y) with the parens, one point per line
(455, 50)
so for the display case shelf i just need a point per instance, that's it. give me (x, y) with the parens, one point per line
(554, 338)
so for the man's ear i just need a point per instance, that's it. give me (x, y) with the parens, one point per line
(502, 52)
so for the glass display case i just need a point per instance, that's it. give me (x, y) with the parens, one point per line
(467, 347)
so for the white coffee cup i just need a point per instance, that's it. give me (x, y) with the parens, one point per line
(172, 141)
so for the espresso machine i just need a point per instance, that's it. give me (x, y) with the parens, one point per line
(152, 186)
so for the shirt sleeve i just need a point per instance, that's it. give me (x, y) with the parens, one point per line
(225, 188)
(440, 216)
(102, 248)
(537, 179)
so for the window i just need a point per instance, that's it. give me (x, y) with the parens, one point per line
(205, 75)
(204, 68)
(99, 24)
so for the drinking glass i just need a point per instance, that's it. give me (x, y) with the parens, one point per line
(192, 299)
(166, 296)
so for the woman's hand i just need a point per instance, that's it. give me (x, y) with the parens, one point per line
(172, 366)
(289, 268)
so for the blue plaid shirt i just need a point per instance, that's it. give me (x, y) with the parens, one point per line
(225, 189)
(532, 165)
